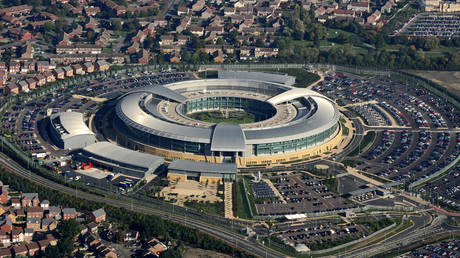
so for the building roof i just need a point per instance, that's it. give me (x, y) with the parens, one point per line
(203, 167)
(362, 191)
(69, 211)
(163, 92)
(228, 137)
(29, 196)
(324, 113)
(70, 124)
(122, 155)
(98, 213)
(291, 95)
(262, 76)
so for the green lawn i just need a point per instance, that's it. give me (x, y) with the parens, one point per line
(237, 117)
(242, 205)
(303, 78)
(367, 139)
(210, 208)
(208, 74)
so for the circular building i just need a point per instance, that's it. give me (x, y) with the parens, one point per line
(271, 123)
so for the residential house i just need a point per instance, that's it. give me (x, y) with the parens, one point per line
(43, 66)
(33, 223)
(170, 49)
(373, 18)
(14, 67)
(140, 37)
(198, 6)
(23, 86)
(92, 227)
(175, 58)
(166, 40)
(92, 10)
(31, 83)
(41, 80)
(359, 7)
(19, 250)
(17, 236)
(48, 224)
(265, 52)
(59, 73)
(130, 235)
(12, 88)
(33, 248)
(43, 244)
(15, 202)
(28, 234)
(197, 30)
(12, 21)
(97, 215)
(79, 49)
(20, 35)
(134, 48)
(5, 239)
(5, 252)
(229, 11)
(144, 58)
(206, 13)
(77, 69)
(101, 65)
(35, 212)
(4, 196)
(155, 247)
(69, 213)
(88, 67)
(68, 71)
(182, 10)
(386, 8)
(49, 76)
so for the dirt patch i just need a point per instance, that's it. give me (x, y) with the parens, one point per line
(200, 253)
(183, 191)
(447, 79)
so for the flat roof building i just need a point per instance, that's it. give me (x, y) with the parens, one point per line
(69, 131)
(184, 170)
(120, 160)
(259, 76)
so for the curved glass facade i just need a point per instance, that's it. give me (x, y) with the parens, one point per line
(260, 108)
(294, 145)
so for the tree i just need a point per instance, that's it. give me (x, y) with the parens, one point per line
(431, 43)
(116, 24)
(379, 41)
(220, 41)
(52, 252)
(69, 228)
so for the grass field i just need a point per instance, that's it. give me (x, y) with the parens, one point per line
(303, 78)
(242, 205)
(367, 139)
(447, 79)
(210, 208)
(238, 117)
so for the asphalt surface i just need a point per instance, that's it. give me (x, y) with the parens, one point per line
(230, 237)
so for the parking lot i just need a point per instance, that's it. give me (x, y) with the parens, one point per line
(449, 248)
(26, 123)
(438, 25)
(420, 139)
(301, 193)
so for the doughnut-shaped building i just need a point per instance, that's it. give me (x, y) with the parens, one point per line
(294, 123)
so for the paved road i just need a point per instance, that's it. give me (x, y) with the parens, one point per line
(423, 227)
(228, 236)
